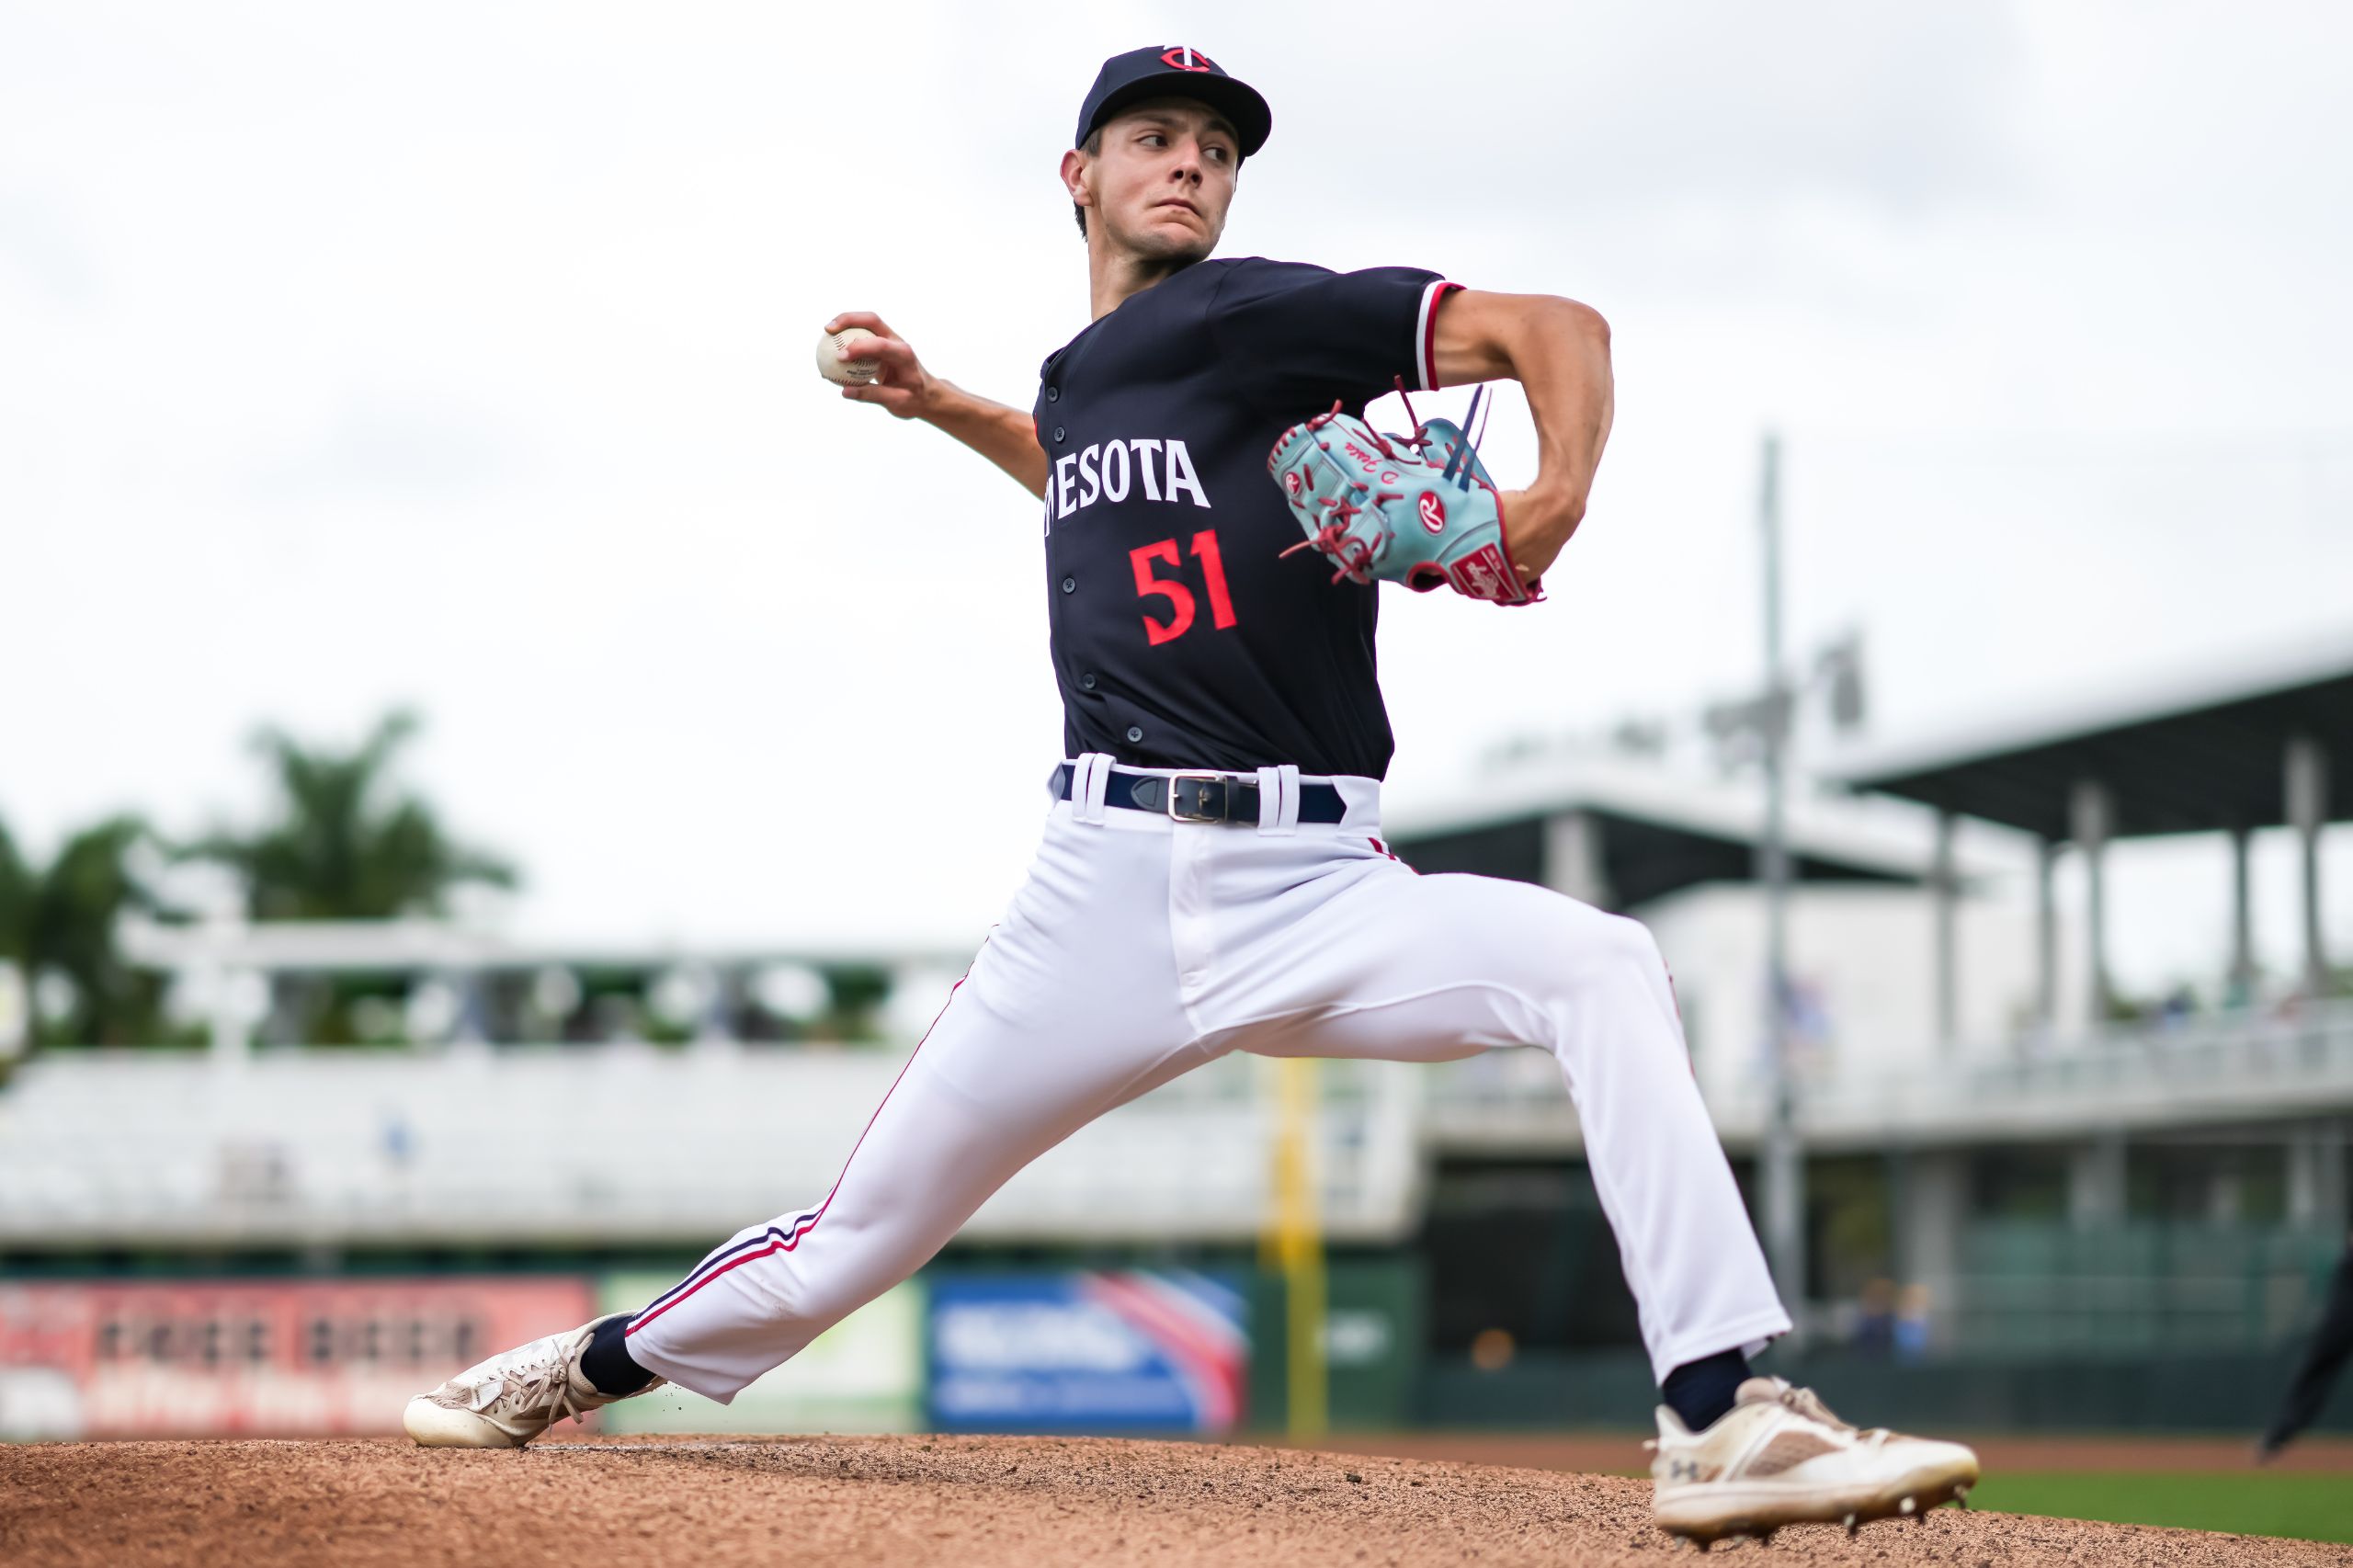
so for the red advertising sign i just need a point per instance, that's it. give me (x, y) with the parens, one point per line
(254, 1357)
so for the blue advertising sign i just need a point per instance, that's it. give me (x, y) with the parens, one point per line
(1134, 1351)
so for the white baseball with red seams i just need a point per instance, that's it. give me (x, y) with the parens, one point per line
(1139, 948)
(832, 345)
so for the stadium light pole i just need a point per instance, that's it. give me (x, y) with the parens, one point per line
(1784, 1168)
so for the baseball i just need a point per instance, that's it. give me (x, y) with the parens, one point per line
(846, 372)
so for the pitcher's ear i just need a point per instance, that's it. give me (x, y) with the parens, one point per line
(1074, 165)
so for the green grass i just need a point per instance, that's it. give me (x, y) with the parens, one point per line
(2307, 1506)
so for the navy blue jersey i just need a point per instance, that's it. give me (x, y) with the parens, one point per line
(1181, 639)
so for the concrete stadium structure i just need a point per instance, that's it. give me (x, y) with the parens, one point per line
(1973, 1096)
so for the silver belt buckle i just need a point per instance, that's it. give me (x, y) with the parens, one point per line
(1175, 780)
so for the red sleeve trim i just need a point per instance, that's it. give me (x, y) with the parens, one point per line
(1425, 335)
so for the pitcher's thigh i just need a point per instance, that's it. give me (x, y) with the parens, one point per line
(1432, 968)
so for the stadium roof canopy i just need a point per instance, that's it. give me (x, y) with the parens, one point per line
(2199, 752)
(1645, 831)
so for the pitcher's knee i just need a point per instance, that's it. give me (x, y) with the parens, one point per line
(1604, 939)
(1551, 949)
(1632, 941)
(1591, 950)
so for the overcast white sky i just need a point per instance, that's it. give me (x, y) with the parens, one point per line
(456, 355)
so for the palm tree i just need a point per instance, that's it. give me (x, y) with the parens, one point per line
(17, 885)
(346, 844)
(60, 920)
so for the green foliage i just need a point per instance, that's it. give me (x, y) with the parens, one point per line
(855, 995)
(2306, 1504)
(59, 921)
(343, 843)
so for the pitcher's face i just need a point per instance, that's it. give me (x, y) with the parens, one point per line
(1160, 185)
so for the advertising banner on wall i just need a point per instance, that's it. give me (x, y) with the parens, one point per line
(256, 1358)
(864, 1374)
(1094, 1352)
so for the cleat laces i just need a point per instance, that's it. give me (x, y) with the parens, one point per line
(542, 1386)
(1808, 1403)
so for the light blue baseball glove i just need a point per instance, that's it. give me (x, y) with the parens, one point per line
(1415, 509)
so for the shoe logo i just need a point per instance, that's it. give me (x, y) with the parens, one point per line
(1683, 1469)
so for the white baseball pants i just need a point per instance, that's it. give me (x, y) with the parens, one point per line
(1140, 948)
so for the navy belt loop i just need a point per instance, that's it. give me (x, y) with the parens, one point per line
(1278, 800)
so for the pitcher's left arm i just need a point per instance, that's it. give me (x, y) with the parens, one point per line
(1559, 351)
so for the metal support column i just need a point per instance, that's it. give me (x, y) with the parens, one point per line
(2092, 813)
(2241, 917)
(721, 997)
(2046, 937)
(2315, 1175)
(2334, 1199)
(2303, 1173)
(1783, 1158)
(2307, 790)
(232, 1012)
(1944, 894)
(1576, 861)
(2096, 1182)
(470, 1026)
(1931, 1208)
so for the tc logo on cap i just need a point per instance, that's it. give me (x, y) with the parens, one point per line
(1185, 59)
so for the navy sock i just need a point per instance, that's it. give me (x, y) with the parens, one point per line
(606, 1361)
(1701, 1391)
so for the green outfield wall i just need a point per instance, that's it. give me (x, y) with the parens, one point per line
(2202, 1394)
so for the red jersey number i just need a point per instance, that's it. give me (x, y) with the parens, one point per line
(1182, 606)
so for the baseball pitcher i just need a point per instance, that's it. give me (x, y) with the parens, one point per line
(1216, 522)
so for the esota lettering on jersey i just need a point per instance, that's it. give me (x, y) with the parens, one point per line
(1148, 467)
(1183, 636)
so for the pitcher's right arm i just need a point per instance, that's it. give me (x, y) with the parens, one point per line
(902, 387)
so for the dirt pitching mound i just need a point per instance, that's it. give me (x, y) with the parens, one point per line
(964, 1502)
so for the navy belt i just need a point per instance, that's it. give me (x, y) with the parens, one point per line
(1204, 797)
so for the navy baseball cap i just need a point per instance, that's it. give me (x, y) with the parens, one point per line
(1174, 71)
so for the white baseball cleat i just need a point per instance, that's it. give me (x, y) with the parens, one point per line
(1778, 1457)
(505, 1402)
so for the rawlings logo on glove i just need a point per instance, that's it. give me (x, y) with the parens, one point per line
(1415, 509)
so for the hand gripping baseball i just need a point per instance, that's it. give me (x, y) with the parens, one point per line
(898, 381)
(1415, 509)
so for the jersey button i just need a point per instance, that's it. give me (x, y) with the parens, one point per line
(1053, 394)
(1135, 733)
(1058, 432)
(1087, 680)
(1070, 584)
